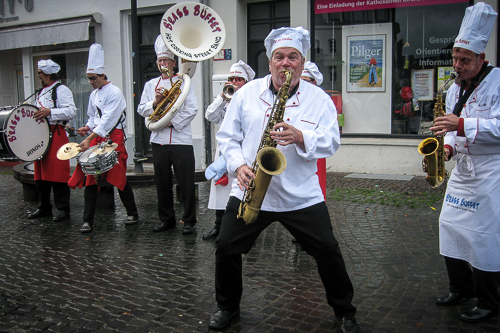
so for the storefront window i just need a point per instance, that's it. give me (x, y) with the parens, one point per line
(386, 60)
(73, 62)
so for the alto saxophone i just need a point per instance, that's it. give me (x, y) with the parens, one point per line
(269, 161)
(433, 162)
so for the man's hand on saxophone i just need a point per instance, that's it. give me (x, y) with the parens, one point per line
(444, 124)
(287, 135)
(244, 174)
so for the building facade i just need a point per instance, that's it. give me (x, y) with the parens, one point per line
(382, 62)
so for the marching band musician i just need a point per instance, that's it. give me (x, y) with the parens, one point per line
(172, 145)
(55, 101)
(309, 131)
(469, 225)
(106, 111)
(239, 74)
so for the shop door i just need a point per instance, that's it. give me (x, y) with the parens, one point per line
(8, 84)
(149, 29)
(262, 18)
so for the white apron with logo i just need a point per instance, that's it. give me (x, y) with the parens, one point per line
(470, 218)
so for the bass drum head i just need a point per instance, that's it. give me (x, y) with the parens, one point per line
(5, 152)
(28, 139)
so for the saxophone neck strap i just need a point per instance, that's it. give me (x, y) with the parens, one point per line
(485, 70)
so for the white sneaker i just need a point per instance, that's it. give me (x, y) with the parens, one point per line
(131, 219)
(86, 227)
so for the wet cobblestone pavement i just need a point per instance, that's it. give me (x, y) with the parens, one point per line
(129, 279)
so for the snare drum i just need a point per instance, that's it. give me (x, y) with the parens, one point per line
(22, 137)
(95, 164)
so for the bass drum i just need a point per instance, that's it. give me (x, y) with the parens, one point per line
(22, 137)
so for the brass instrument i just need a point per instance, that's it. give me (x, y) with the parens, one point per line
(433, 162)
(189, 34)
(168, 99)
(228, 91)
(269, 161)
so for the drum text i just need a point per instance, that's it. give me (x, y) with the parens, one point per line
(35, 148)
(12, 126)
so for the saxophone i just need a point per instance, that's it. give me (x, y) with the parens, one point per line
(269, 161)
(433, 162)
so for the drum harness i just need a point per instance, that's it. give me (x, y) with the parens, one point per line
(54, 99)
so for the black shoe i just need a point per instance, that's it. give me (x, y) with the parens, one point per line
(452, 299)
(222, 318)
(189, 228)
(39, 213)
(476, 314)
(164, 226)
(212, 234)
(132, 219)
(61, 216)
(86, 227)
(347, 324)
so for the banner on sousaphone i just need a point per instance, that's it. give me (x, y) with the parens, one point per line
(193, 31)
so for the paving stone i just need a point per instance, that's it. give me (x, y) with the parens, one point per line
(129, 279)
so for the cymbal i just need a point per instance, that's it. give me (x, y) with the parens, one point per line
(107, 148)
(67, 151)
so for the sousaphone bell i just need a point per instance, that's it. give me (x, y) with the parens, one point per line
(194, 32)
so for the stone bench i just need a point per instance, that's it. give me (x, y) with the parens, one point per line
(24, 173)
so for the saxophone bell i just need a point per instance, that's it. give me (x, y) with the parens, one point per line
(433, 162)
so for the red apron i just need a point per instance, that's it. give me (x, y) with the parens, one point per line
(50, 168)
(117, 176)
(322, 175)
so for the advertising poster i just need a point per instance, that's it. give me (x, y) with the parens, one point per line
(336, 6)
(366, 63)
(422, 83)
(443, 75)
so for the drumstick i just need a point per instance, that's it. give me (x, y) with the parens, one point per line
(74, 129)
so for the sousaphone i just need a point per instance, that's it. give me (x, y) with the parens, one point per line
(194, 32)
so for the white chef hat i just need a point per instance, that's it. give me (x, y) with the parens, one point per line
(162, 50)
(96, 59)
(476, 28)
(240, 69)
(297, 38)
(312, 71)
(48, 66)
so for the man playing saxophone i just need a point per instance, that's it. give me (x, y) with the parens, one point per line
(308, 131)
(172, 145)
(468, 225)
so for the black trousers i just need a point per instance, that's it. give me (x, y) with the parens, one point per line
(313, 230)
(219, 213)
(181, 157)
(472, 281)
(61, 195)
(90, 198)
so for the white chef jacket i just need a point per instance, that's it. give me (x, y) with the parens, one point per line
(110, 100)
(469, 222)
(63, 110)
(180, 132)
(310, 110)
(219, 194)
